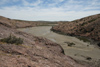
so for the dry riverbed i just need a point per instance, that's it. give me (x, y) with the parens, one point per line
(77, 49)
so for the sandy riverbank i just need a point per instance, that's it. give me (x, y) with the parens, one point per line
(80, 51)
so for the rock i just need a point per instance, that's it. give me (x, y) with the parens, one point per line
(34, 52)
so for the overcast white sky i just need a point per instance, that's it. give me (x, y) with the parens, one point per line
(49, 10)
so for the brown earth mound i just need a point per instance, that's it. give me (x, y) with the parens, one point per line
(23, 24)
(87, 27)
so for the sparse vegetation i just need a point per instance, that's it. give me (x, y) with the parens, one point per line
(88, 58)
(84, 24)
(98, 44)
(83, 39)
(91, 20)
(12, 40)
(70, 44)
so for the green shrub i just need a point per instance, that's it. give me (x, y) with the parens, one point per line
(83, 24)
(88, 58)
(91, 20)
(12, 40)
(70, 44)
(83, 39)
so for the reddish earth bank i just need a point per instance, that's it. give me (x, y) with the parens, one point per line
(86, 27)
(34, 52)
(22, 24)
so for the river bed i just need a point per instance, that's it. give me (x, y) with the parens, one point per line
(80, 51)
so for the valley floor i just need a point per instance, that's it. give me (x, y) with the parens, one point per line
(83, 51)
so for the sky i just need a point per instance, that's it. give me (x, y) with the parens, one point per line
(48, 10)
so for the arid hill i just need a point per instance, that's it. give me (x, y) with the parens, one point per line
(23, 24)
(86, 27)
(33, 52)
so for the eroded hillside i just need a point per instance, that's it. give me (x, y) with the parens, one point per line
(88, 27)
(33, 52)
(23, 24)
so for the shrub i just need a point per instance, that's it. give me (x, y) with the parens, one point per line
(88, 58)
(83, 39)
(70, 44)
(98, 44)
(12, 40)
(91, 20)
(83, 24)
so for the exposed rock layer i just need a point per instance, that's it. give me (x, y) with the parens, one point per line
(34, 52)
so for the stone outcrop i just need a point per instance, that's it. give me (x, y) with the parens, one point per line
(34, 52)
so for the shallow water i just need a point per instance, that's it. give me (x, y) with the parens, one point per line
(79, 51)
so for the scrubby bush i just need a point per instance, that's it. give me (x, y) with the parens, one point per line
(12, 40)
(70, 44)
(88, 58)
(83, 39)
(98, 44)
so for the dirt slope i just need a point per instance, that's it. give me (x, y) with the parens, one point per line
(88, 27)
(34, 52)
(21, 23)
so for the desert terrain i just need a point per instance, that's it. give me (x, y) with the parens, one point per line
(81, 51)
(50, 44)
